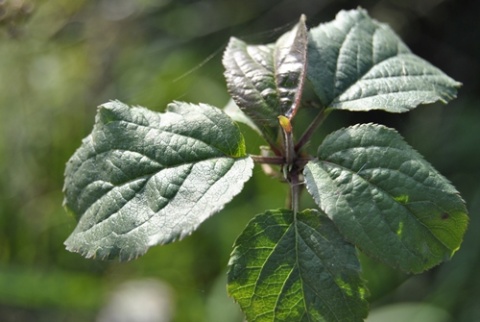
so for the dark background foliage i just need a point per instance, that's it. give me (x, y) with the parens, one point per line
(60, 59)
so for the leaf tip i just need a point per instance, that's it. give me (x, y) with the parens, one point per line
(108, 112)
(303, 19)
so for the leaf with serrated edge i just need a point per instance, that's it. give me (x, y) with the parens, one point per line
(356, 63)
(385, 198)
(266, 81)
(296, 268)
(143, 178)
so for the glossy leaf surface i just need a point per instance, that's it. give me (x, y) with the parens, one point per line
(356, 63)
(266, 81)
(386, 199)
(143, 178)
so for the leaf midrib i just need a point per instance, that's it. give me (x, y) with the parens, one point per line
(347, 35)
(298, 263)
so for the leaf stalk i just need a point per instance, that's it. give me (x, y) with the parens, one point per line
(312, 128)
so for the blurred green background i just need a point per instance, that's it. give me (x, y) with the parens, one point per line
(61, 58)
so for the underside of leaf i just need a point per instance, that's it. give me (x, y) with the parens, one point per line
(287, 267)
(356, 63)
(386, 199)
(143, 178)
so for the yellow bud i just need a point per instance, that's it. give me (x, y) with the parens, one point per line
(285, 123)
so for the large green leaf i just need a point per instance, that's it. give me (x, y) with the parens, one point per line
(358, 64)
(385, 198)
(266, 81)
(287, 267)
(143, 178)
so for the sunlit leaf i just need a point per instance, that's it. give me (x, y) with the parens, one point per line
(386, 199)
(288, 267)
(356, 63)
(143, 178)
(266, 81)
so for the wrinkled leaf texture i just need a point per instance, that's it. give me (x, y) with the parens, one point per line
(266, 81)
(143, 178)
(356, 63)
(287, 267)
(385, 198)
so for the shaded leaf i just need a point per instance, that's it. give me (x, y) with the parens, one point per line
(386, 199)
(296, 268)
(358, 64)
(143, 178)
(266, 81)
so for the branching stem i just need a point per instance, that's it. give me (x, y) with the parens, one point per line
(312, 128)
(291, 162)
(277, 160)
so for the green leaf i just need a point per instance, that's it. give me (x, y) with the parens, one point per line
(266, 81)
(236, 114)
(143, 178)
(358, 64)
(386, 199)
(296, 268)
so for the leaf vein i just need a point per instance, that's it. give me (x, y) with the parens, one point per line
(385, 193)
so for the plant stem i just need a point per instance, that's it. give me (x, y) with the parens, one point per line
(290, 168)
(289, 149)
(311, 129)
(294, 192)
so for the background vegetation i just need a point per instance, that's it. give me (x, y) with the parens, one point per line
(60, 59)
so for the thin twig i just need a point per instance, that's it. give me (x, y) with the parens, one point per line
(311, 129)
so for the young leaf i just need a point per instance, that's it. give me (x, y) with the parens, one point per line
(296, 268)
(143, 178)
(267, 80)
(385, 198)
(358, 64)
